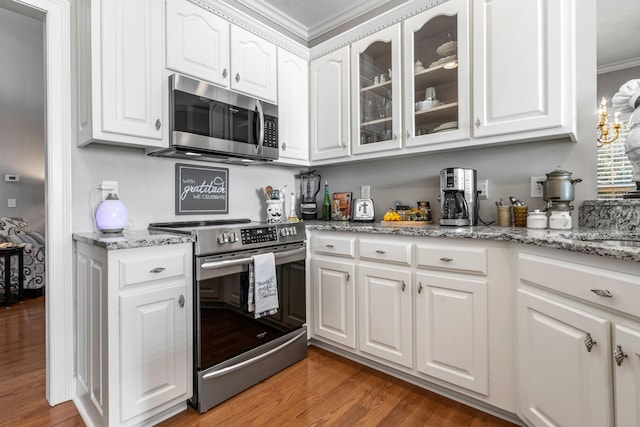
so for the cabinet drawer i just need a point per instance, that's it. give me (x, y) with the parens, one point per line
(385, 251)
(606, 288)
(453, 258)
(147, 268)
(332, 245)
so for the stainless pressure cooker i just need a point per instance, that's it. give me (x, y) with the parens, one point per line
(559, 187)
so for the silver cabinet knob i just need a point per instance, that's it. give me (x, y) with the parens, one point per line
(380, 251)
(408, 134)
(284, 146)
(446, 259)
(237, 77)
(478, 123)
(602, 293)
(589, 342)
(329, 245)
(619, 355)
(157, 270)
(158, 124)
(419, 287)
(348, 276)
(181, 301)
(224, 73)
(403, 287)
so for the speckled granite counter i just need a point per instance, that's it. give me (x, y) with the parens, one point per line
(132, 239)
(583, 240)
(615, 214)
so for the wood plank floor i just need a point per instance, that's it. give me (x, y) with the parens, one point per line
(322, 390)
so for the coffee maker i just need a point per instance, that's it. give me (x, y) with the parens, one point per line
(458, 197)
(309, 188)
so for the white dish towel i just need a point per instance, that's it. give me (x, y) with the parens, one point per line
(262, 274)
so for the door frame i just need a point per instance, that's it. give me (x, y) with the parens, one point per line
(56, 16)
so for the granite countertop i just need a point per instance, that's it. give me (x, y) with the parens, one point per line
(132, 239)
(591, 241)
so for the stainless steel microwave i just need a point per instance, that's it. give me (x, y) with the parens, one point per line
(212, 123)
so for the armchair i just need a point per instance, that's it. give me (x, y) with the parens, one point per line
(17, 231)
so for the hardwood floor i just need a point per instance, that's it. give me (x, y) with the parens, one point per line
(322, 390)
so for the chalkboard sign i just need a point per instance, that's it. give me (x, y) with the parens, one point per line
(201, 190)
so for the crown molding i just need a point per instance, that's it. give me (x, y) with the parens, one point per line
(619, 65)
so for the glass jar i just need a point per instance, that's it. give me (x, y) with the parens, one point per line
(537, 219)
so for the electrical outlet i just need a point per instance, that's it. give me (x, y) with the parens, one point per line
(11, 203)
(536, 189)
(108, 187)
(483, 188)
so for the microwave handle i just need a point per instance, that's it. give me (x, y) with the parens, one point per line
(261, 117)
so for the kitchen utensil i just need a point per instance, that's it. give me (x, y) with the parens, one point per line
(515, 202)
(558, 189)
(274, 211)
(267, 191)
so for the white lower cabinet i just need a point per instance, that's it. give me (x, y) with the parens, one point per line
(578, 340)
(385, 316)
(133, 333)
(451, 330)
(334, 301)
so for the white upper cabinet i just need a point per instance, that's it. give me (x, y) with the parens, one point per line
(436, 74)
(293, 108)
(522, 75)
(197, 42)
(253, 65)
(205, 46)
(329, 110)
(375, 93)
(119, 72)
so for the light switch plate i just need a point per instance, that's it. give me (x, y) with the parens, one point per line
(536, 189)
(483, 188)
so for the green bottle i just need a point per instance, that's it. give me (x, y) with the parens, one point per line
(326, 203)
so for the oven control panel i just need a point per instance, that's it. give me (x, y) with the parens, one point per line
(259, 235)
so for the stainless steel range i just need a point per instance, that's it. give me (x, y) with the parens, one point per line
(232, 349)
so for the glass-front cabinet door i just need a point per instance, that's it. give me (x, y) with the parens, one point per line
(376, 91)
(436, 76)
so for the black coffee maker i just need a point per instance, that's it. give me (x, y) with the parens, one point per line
(458, 197)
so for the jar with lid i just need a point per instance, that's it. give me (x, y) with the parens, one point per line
(560, 220)
(537, 219)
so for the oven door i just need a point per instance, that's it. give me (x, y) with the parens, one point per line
(233, 349)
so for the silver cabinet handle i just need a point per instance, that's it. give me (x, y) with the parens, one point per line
(329, 245)
(419, 287)
(181, 301)
(348, 277)
(403, 286)
(158, 124)
(343, 144)
(395, 137)
(408, 134)
(284, 146)
(157, 270)
(619, 355)
(602, 293)
(589, 342)
(446, 259)
(224, 73)
(380, 251)
(478, 123)
(237, 77)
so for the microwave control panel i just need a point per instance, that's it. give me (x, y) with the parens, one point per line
(270, 132)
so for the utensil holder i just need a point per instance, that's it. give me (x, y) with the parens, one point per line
(520, 216)
(504, 216)
(274, 211)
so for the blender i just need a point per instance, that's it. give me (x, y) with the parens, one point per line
(309, 188)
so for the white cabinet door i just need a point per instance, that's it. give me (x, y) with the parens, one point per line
(197, 42)
(518, 68)
(131, 67)
(153, 348)
(626, 371)
(376, 101)
(563, 364)
(452, 330)
(385, 316)
(253, 65)
(293, 107)
(334, 301)
(443, 67)
(329, 111)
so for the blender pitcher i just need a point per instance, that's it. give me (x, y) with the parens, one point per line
(309, 189)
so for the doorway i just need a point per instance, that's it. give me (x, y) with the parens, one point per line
(55, 16)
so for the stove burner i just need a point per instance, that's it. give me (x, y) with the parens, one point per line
(193, 224)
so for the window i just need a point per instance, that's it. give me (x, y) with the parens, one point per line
(614, 168)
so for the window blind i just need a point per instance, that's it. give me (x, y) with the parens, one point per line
(614, 168)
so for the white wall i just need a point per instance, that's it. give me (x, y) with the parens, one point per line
(146, 186)
(22, 117)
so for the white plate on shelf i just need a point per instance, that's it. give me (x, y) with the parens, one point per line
(446, 126)
(444, 60)
(447, 48)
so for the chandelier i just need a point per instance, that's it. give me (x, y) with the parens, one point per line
(603, 126)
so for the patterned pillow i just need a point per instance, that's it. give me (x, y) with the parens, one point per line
(13, 226)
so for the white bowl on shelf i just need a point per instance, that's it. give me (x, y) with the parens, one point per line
(426, 104)
(447, 48)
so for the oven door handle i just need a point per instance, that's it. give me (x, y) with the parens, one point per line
(241, 365)
(248, 260)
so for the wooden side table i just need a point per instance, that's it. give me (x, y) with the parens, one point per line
(6, 252)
